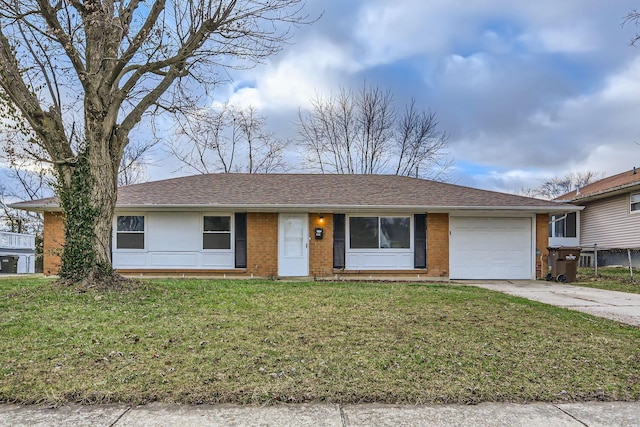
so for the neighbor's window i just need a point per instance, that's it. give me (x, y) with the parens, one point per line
(380, 232)
(563, 225)
(635, 202)
(130, 232)
(217, 232)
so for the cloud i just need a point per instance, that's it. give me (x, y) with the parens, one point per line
(314, 66)
(526, 90)
(596, 131)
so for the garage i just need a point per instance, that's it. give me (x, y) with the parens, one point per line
(490, 248)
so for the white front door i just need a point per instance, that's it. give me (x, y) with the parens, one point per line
(293, 245)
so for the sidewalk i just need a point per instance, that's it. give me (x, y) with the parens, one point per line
(590, 414)
(619, 306)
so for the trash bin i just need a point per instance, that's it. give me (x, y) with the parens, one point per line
(564, 263)
(8, 264)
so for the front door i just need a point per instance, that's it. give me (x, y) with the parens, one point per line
(293, 245)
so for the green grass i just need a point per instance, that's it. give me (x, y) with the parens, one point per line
(609, 278)
(261, 342)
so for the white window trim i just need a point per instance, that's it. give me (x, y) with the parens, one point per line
(115, 232)
(231, 232)
(631, 202)
(378, 250)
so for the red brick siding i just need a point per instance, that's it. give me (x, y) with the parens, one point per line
(262, 244)
(542, 242)
(53, 235)
(438, 244)
(321, 251)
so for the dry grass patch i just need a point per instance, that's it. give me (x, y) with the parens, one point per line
(260, 342)
(609, 278)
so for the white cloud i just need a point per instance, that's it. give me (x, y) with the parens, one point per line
(596, 131)
(521, 87)
(291, 81)
(571, 38)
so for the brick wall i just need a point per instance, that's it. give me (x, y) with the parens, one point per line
(438, 244)
(321, 251)
(542, 241)
(53, 241)
(262, 244)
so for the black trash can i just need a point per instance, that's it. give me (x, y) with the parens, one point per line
(564, 263)
(8, 264)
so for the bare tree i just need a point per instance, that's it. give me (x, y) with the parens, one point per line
(360, 133)
(559, 185)
(228, 139)
(418, 143)
(133, 166)
(80, 75)
(632, 18)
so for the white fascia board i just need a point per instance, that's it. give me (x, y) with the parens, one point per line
(560, 208)
(351, 208)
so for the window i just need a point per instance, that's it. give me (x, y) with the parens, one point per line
(635, 202)
(217, 232)
(563, 225)
(130, 232)
(380, 232)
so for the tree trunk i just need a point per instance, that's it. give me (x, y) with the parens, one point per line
(88, 191)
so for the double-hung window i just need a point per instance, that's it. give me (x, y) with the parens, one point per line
(217, 232)
(380, 232)
(635, 203)
(130, 232)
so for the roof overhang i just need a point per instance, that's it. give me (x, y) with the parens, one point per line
(559, 208)
(351, 208)
(621, 189)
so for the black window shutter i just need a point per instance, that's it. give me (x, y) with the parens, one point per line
(420, 241)
(241, 239)
(571, 225)
(338, 240)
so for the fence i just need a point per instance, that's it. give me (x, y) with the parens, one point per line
(596, 257)
(17, 241)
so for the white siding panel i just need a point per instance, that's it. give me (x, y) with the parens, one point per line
(173, 259)
(174, 231)
(129, 259)
(610, 224)
(379, 260)
(217, 260)
(564, 241)
(173, 240)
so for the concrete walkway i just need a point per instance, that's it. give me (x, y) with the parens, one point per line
(486, 414)
(620, 306)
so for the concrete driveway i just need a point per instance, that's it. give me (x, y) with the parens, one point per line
(620, 306)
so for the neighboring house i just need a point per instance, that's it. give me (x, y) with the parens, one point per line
(17, 253)
(609, 222)
(280, 225)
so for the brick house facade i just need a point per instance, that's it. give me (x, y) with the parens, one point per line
(425, 209)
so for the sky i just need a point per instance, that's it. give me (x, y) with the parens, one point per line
(526, 90)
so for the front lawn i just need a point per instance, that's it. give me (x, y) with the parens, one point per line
(609, 278)
(261, 342)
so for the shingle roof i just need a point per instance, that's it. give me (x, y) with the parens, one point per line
(309, 190)
(610, 184)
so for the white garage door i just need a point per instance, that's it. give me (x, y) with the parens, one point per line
(490, 248)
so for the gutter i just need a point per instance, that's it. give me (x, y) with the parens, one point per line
(601, 194)
(320, 208)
